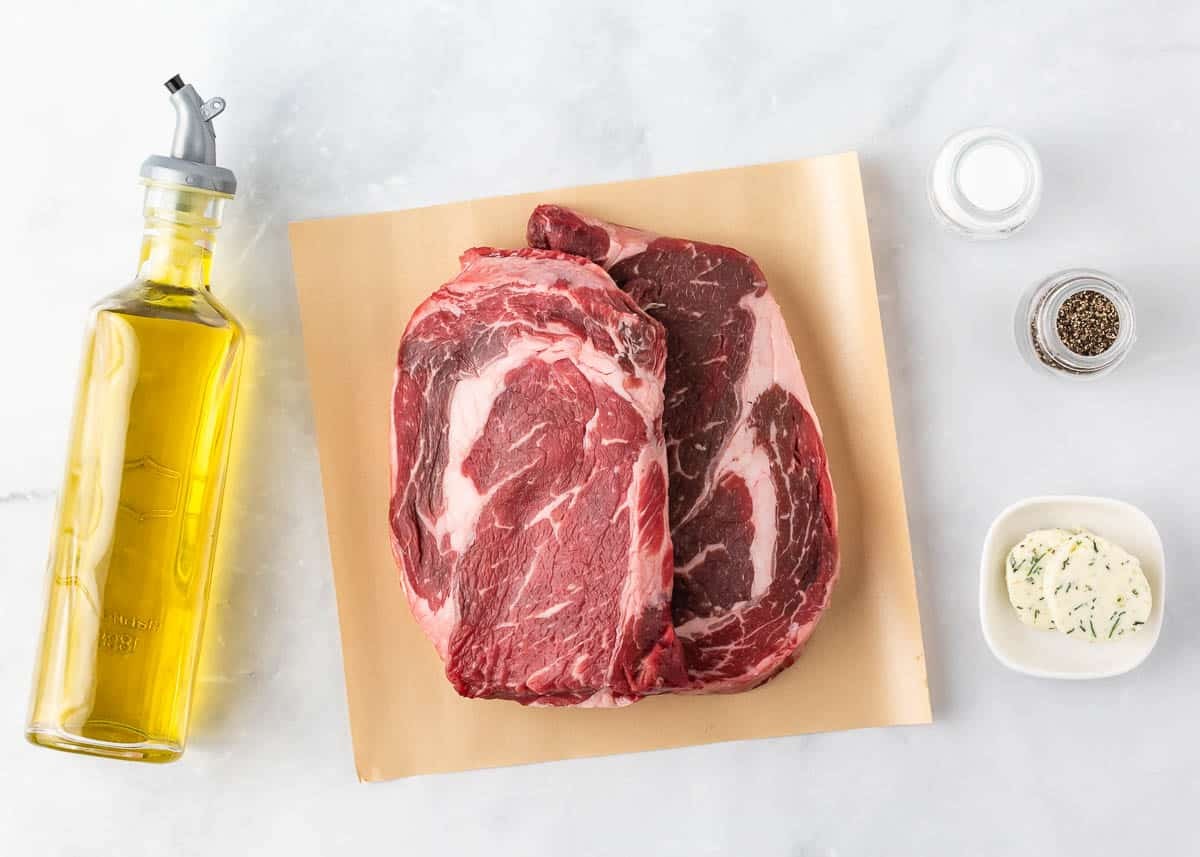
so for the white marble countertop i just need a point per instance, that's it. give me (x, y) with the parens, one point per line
(390, 105)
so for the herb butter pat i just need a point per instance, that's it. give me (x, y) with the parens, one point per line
(1079, 584)
(1023, 574)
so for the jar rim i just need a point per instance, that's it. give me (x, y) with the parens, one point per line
(956, 210)
(1054, 292)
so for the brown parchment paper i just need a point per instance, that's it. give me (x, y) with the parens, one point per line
(358, 280)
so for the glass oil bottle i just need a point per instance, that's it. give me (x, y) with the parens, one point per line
(133, 545)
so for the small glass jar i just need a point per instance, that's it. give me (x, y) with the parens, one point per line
(1036, 324)
(985, 183)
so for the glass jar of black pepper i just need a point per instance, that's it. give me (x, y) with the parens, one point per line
(1076, 323)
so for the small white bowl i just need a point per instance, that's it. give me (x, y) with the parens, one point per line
(1049, 654)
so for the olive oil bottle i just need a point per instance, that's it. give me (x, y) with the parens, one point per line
(132, 553)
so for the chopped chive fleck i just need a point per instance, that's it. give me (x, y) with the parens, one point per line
(1072, 631)
(1093, 627)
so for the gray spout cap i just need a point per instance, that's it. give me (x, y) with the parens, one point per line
(193, 159)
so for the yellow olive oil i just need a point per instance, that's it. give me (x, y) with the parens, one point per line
(137, 523)
(132, 553)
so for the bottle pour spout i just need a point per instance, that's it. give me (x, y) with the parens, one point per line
(195, 140)
(193, 159)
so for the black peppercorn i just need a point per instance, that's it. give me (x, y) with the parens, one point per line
(1088, 323)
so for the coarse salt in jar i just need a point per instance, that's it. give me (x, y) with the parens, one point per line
(985, 183)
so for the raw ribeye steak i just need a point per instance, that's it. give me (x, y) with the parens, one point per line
(752, 511)
(528, 512)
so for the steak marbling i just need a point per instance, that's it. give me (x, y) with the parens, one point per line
(752, 508)
(528, 513)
